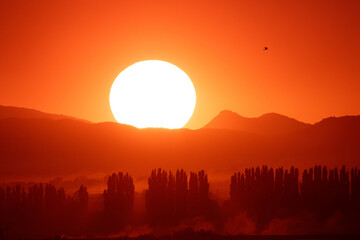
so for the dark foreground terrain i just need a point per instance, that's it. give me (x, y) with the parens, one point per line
(204, 235)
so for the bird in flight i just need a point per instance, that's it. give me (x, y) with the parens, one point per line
(265, 48)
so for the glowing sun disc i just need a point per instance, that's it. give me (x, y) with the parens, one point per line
(153, 93)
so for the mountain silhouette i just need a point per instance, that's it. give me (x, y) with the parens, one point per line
(267, 124)
(19, 112)
(42, 147)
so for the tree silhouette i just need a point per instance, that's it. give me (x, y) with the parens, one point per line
(40, 212)
(171, 199)
(118, 200)
(323, 193)
(263, 194)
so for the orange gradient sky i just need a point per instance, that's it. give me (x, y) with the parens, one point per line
(63, 56)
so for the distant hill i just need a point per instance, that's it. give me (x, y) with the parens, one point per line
(42, 147)
(267, 124)
(25, 113)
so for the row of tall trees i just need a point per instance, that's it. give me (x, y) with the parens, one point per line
(42, 210)
(169, 199)
(266, 194)
(172, 197)
(263, 193)
(118, 201)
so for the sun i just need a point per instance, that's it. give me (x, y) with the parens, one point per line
(153, 93)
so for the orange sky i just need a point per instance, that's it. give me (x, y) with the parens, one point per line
(62, 56)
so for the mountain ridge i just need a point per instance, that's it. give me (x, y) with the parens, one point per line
(27, 113)
(71, 147)
(267, 124)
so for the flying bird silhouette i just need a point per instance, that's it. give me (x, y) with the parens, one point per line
(265, 48)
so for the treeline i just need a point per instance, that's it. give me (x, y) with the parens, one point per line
(262, 194)
(171, 198)
(42, 210)
(265, 194)
(118, 202)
